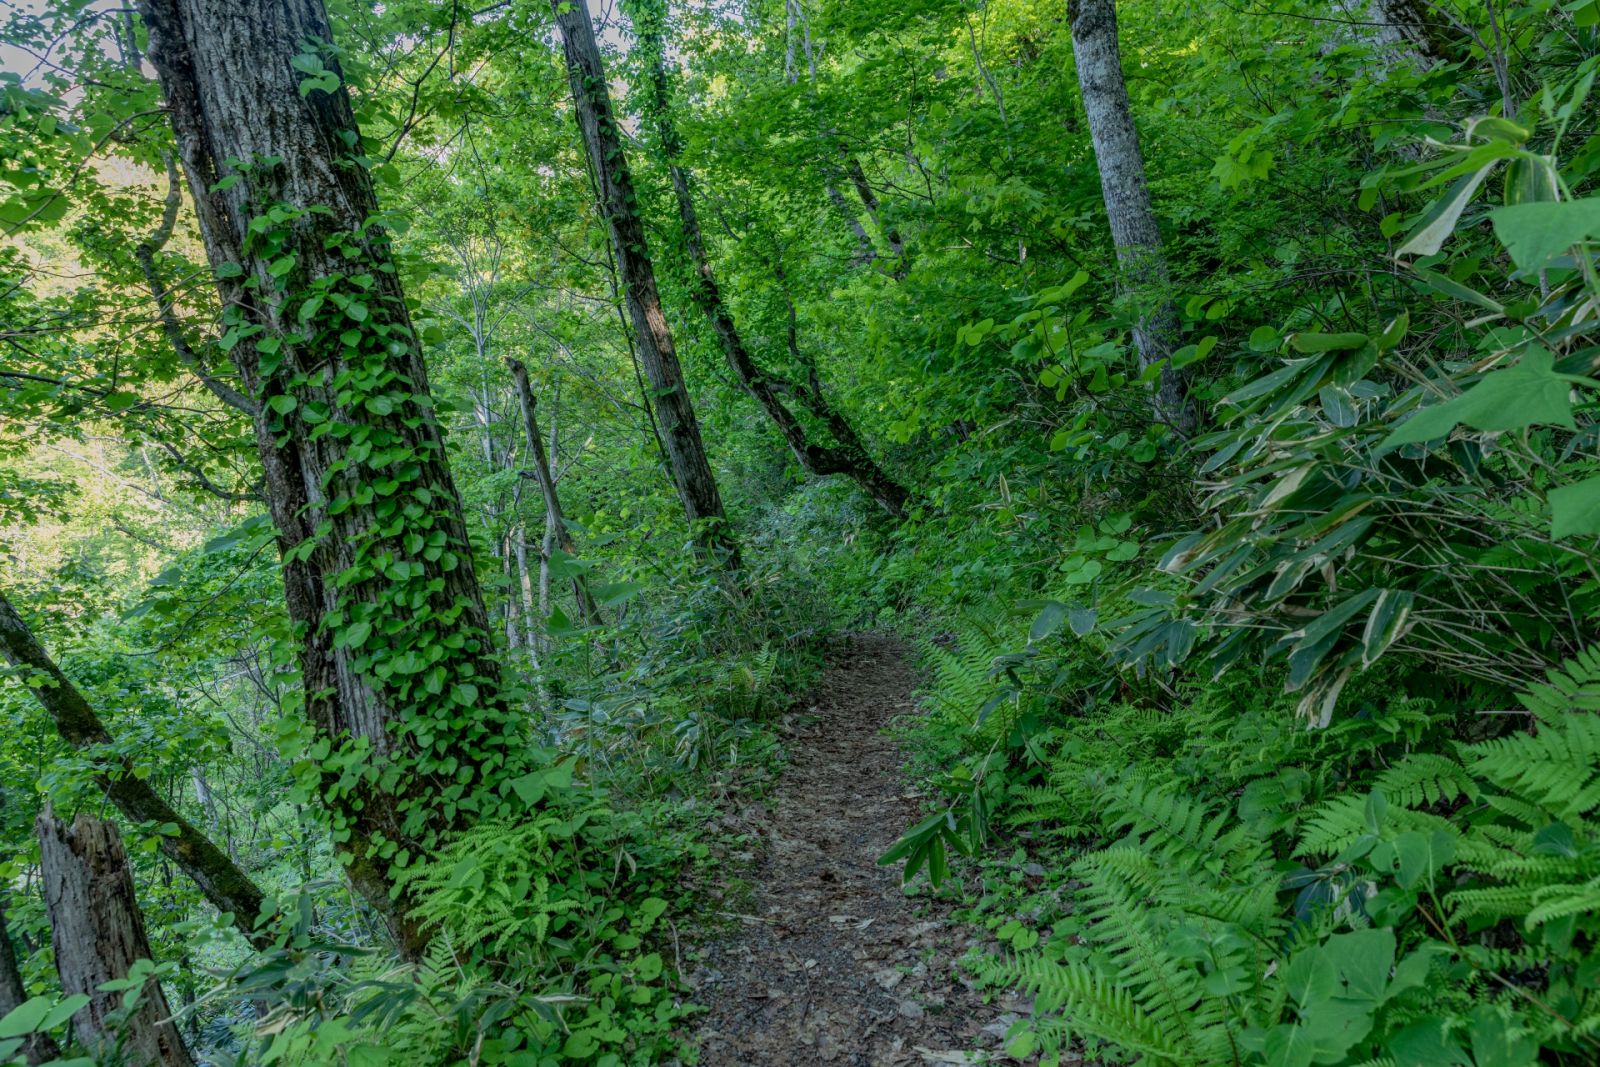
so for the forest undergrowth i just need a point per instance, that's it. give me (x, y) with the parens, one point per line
(945, 531)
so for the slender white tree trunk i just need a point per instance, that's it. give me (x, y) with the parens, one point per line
(1127, 197)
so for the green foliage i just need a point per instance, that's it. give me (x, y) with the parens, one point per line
(546, 949)
(1187, 944)
(1381, 286)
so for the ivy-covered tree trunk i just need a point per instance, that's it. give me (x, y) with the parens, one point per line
(98, 935)
(555, 521)
(1134, 231)
(228, 888)
(410, 733)
(680, 429)
(846, 456)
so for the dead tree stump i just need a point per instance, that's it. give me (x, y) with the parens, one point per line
(98, 934)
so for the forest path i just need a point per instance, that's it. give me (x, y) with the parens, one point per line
(833, 963)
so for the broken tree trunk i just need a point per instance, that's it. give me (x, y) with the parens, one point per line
(98, 935)
(224, 884)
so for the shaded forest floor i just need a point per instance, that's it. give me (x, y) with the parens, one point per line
(830, 962)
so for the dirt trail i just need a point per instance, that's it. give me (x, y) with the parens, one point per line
(833, 964)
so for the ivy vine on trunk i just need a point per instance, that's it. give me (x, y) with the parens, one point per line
(408, 734)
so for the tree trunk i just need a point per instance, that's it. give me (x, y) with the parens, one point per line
(98, 935)
(227, 887)
(847, 456)
(1401, 26)
(1122, 183)
(680, 430)
(869, 200)
(513, 623)
(378, 569)
(530, 612)
(36, 1048)
(588, 610)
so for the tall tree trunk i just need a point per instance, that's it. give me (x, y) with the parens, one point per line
(530, 611)
(588, 610)
(38, 1047)
(847, 456)
(1122, 183)
(227, 887)
(98, 935)
(513, 623)
(680, 430)
(378, 569)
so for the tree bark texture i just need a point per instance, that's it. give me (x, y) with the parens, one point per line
(588, 610)
(224, 884)
(847, 456)
(36, 1048)
(680, 429)
(1414, 24)
(98, 935)
(337, 497)
(1134, 231)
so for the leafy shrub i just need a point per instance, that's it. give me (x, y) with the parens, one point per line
(1382, 491)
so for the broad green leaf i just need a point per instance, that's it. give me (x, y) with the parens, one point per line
(1082, 620)
(1311, 977)
(1498, 1042)
(1289, 1045)
(1422, 856)
(1575, 509)
(1527, 393)
(566, 565)
(1425, 1044)
(1048, 621)
(1439, 283)
(26, 1017)
(1534, 234)
(1363, 959)
(558, 625)
(1264, 339)
(614, 593)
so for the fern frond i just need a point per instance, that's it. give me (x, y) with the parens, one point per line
(1573, 687)
(1179, 829)
(1557, 768)
(1426, 778)
(1337, 823)
(1096, 1005)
